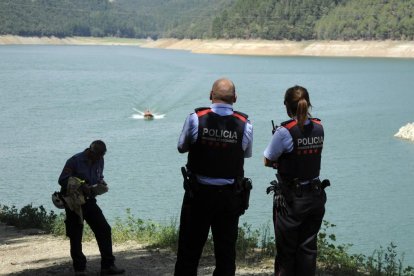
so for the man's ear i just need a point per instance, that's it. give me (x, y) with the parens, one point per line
(235, 98)
(211, 95)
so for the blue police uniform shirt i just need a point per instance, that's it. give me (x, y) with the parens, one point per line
(282, 142)
(80, 166)
(189, 136)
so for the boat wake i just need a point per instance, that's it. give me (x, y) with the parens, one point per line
(142, 115)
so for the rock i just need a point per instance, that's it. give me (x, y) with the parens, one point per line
(406, 132)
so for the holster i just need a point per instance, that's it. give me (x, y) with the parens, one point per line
(288, 187)
(190, 184)
(318, 186)
(243, 187)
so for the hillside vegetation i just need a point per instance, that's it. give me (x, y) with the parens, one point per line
(245, 19)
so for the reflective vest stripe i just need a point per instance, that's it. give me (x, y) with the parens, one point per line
(240, 117)
(203, 112)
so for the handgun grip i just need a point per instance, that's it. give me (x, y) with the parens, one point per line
(184, 172)
(279, 178)
(325, 183)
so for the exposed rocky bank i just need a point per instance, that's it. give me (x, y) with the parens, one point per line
(355, 48)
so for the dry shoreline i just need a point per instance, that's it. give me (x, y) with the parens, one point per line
(30, 252)
(356, 48)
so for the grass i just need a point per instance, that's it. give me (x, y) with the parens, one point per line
(253, 245)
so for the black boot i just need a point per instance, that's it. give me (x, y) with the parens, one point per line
(112, 270)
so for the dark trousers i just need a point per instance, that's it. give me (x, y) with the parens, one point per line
(215, 207)
(296, 233)
(93, 215)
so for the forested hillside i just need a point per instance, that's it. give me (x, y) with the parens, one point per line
(121, 18)
(317, 19)
(246, 19)
(272, 19)
(369, 19)
(173, 18)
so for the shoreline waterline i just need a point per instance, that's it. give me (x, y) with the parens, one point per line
(354, 48)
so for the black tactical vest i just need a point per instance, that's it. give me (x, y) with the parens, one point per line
(304, 161)
(218, 151)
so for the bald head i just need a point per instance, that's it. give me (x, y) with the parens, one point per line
(223, 91)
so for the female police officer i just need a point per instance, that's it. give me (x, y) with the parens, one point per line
(295, 151)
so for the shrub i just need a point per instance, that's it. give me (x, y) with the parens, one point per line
(28, 217)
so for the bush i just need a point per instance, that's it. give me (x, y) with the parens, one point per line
(267, 242)
(247, 242)
(336, 260)
(167, 236)
(28, 217)
(154, 234)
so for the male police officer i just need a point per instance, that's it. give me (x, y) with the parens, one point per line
(87, 166)
(217, 139)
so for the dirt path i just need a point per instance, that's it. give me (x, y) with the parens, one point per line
(29, 252)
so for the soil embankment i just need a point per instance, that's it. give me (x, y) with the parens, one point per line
(359, 48)
(394, 49)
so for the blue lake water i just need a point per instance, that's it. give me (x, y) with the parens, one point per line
(54, 100)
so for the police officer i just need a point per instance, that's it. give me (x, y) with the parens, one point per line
(217, 140)
(88, 166)
(295, 151)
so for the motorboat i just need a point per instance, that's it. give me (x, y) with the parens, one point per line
(148, 115)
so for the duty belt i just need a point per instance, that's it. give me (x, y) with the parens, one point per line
(315, 185)
(215, 187)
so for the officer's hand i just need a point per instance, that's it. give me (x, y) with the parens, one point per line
(99, 189)
(86, 190)
(280, 204)
(272, 187)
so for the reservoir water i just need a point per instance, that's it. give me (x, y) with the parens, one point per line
(55, 100)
